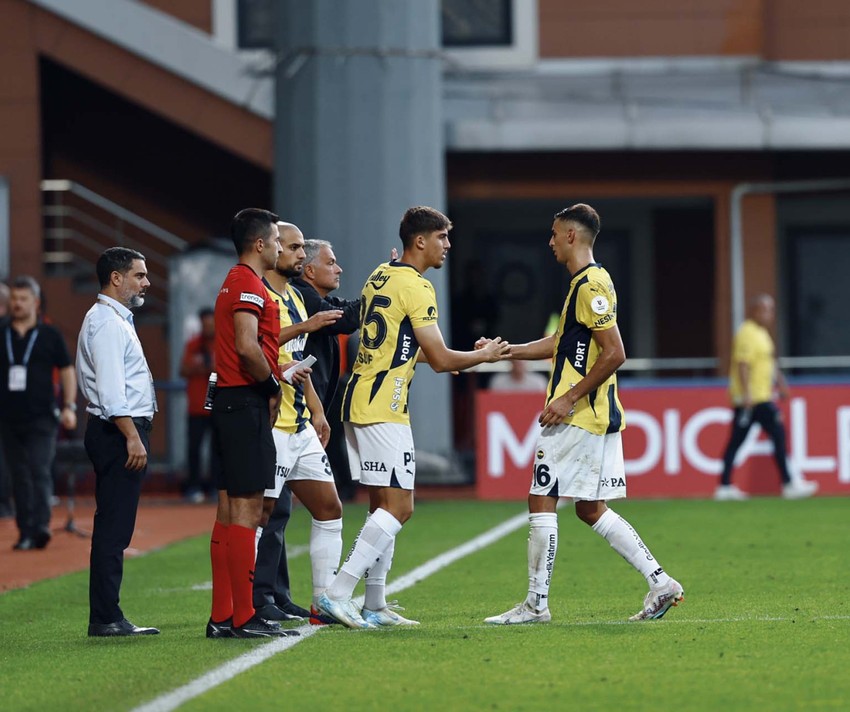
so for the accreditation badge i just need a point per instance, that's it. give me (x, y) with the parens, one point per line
(17, 378)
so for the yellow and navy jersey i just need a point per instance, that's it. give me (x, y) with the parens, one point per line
(293, 414)
(591, 305)
(396, 300)
(754, 347)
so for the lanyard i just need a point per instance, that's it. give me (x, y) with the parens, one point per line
(28, 351)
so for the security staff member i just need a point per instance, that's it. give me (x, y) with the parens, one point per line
(114, 378)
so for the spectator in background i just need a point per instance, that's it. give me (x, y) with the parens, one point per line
(518, 378)
(752, 376)
(197, 364)
(6, 508)
(320, 277)
(30, 351)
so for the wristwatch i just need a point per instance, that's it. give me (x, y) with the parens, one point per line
(71, 406)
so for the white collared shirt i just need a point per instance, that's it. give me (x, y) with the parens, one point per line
(112, 372)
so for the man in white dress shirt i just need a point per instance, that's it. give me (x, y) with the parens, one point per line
(114, 378)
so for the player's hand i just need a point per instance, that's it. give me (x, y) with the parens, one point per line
(557, 411)
(393, 254)
(293, 377)
(323, 429)
(137, 456)
(274, 407)
(321, 319)
(495, 349)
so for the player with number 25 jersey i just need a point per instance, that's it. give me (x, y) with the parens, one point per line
(396, 300)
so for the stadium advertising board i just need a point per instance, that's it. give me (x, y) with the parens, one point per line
(674, 441)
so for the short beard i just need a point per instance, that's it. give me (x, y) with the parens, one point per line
(136, 301)
(291, 272)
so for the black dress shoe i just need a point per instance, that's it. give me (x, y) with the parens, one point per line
(41, 539)
(272, 612)
(25, 543)
(293, 610)
(120, 628)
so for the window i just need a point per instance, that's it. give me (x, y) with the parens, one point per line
(255, 24)
(477, 23)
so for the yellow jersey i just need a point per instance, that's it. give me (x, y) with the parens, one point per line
(591, 305)
(396, 300)
(753, 346)
(293, 414)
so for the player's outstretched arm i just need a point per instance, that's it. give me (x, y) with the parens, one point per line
(531, 351)
(442, 359)
(319, 320)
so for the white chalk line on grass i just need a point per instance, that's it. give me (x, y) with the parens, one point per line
(172, 700)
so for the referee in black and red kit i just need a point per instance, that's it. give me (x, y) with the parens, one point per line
(247, 398)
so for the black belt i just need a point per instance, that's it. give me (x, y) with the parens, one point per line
(144, 423)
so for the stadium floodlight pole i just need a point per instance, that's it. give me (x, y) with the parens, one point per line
(736, 237)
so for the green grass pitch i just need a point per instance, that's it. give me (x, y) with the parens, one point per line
(765, 624)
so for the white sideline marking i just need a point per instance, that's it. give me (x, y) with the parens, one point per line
(172, 700)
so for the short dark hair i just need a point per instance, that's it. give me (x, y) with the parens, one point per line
(584, 215)
(250, 225)
(205, 312)
(115, 259)
(27, 282)
(421, 219)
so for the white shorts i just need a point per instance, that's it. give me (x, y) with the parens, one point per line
(299, 456)
(571, 462)
(381, 454)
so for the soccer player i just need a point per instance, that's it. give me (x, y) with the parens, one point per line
(247, 325)
(579, 451)
(751, 379)
(399, 318)
(301, 430)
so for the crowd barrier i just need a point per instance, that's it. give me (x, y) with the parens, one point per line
(674, 441)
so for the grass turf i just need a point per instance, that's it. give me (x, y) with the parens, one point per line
(765, 623)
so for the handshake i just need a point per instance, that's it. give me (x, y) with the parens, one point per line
(496, 349)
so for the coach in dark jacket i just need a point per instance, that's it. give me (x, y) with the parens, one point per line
(319, 278)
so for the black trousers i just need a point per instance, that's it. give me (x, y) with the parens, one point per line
(117, 492)
(199, 426)
(30, 446)
(271, 569)
(767, 415)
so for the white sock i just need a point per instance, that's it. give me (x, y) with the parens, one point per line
(257, 536)
(625, 541)
(376, 580)
(542, 548)
(375, 537)
(325, 551)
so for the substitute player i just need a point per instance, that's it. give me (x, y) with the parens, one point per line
(398, 318)
(301, 430)
(579, 451)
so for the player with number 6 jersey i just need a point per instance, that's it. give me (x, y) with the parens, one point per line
(579, 452)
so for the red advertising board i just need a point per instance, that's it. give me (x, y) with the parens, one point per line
(674, 441)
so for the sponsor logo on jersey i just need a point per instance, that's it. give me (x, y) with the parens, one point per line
(296, 344)
(372, 466)
(252, 298)
(379, 280)
(581, 354)
(599, 304)
(432, 314)
(397, 388)
(604, 320)
(281, 471)
(406, 344)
